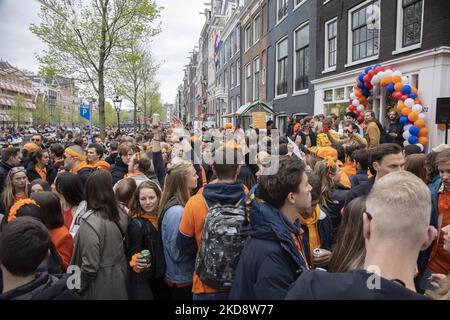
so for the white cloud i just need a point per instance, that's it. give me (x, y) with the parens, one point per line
(17, 44)
(181, 27)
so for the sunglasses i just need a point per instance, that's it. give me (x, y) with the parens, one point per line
(369, 216)
(17, 169)
(35, 140)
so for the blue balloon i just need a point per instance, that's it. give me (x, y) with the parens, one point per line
(361, 77)
(377, 65)
(368, 69)
(406, 89)
(413, 95)
(361, 85)
(413, 140)
(404, 120)
(414, 130)
(390, 87)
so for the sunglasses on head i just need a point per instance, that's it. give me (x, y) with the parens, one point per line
(369, 216)
(17, 169)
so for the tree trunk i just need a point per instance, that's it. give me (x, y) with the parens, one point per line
(101, 77)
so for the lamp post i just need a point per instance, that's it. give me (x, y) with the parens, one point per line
(118, 105)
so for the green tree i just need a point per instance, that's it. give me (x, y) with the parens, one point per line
(19, 114)
(59, 116)
(41, 116)
(83, 36)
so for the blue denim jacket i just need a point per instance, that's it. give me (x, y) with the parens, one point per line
(179, 267)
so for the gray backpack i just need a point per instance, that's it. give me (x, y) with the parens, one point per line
(223, 239)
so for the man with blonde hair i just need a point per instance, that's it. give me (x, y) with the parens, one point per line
(396, 227)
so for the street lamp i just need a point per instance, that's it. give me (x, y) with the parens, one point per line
(118, 105)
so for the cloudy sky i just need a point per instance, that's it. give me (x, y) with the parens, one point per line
(181, 26)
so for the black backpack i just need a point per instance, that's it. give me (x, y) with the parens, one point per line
(223, 239)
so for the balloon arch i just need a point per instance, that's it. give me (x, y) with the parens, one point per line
(406, 97)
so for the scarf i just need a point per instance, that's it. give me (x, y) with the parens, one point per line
(42, 173)
(313, 230)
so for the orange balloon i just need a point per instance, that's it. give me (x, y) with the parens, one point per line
(397, 79)
(359, 94)
(419, 123)
(388, 79)
(423, 132)
(398, 87)
(414, 90)
(356, 87)
(406, 111)
(400, 107)
(363, 100)
(413, 116)
(423, 141)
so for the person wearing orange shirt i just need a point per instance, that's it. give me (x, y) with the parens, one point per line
(94, 157)
(440, 258)
(225, 190)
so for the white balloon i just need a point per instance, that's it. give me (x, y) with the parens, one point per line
(381, 75)
(360, 108)
(406, 135)
(406, 127)
(373, 81)
(397, 73)
(356, 102)
(420, 146)
(352, 96)
(406, 143)
(405, 80)
(409, 102)
(389, 72)
(423, 116)
(417, 108)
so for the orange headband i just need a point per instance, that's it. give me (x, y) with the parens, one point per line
(75, 154)
(16, 207)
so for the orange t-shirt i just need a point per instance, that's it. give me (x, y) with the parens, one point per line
(63, 242)
(440, 261)
(192, 221)
(349, 168)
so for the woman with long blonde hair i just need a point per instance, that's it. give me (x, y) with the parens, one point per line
(180, 181)
(16, 188)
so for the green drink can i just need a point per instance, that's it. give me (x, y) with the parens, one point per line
(145, 254)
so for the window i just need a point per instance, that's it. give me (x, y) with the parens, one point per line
(248, 37)
(248, 82)
(364, 33)
(238, 72)
(226, 79)
(233, 75)
(339, 94)
(412, 21)
(301, 58)
(330, 43)
(231, 105)
(238, 39)
(282, 9)
(256, 72)
(233, 43)
(298, 3)
(238, 103)
(328, 95)
(257, 28)
(282, 59)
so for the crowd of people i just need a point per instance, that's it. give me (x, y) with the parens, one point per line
(170, 214)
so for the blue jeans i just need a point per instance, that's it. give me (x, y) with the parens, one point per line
(210, 296)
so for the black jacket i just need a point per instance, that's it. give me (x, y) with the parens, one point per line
(111, 159)
(353, 285)
(118, 170)
(270, 261)
(359, 191)
(312, 136)
(142, 235)
(392, 128)
(361, 177)
(33, 175)
(4, 170)
(44, 287)
(333, 209)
